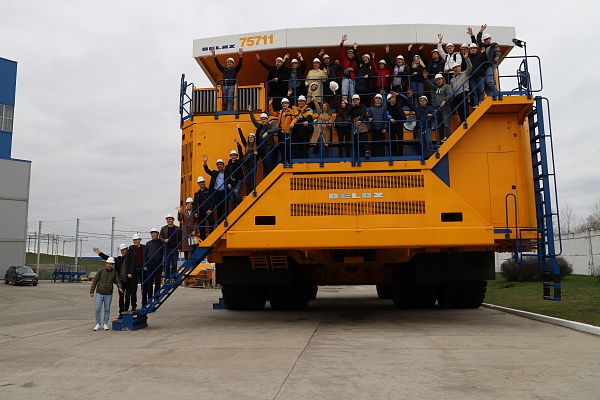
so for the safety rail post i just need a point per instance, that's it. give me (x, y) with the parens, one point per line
(390, 152)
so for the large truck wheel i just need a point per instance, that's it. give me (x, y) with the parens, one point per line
(384, 290)
(244, 297)
(413, 294)
(290, 297)
(468, 294)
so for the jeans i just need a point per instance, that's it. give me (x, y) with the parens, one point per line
(490, 83)
(236, 197)
(106, 300)
(228, 98)
(477, 85)
(347, 89)
(418, 88)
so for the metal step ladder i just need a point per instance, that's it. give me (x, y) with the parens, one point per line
(545, 196)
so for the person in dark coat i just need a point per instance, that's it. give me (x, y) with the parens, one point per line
(187, 222)
(217, 186)
(378, 126)
(492, 53)
(477, 79)
(397, 117)
(203, 209)
(364, 81)
(277, 80)
(343, 126)
(424, 113)
(296, 79)
(435, 65)
(171, 236)
(118, 266)
(361, 128)
(152, 269)
(133, 267)
(234, 174)
(229, 79)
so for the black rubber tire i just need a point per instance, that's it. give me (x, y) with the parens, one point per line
(35, 284)
(384, 290)
(5, 281)
(289, 297)
(413, 294)
(244, 297)
(468, 294)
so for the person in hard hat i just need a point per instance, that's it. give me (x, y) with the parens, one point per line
(284, 118)
(323, 122)
(382, 71)
(203, 209)
(441, 98)
(492, 53)
(133, 267)
(477, 78)
(332, 70)
(187, 223)
(248, 157)
(460, 89)
(424, 113)
(121, 273)
(302, 128)
(416, 70)
(401, 72)
(152, 266)
(343, 127)
(449, 56)
(378, 126)
(217, 186)
(395, 114)
(435, 65)
(171, 236)
(314, 83)
(364, 81)
(103, 286)
(277, 79)
(264, 140)
(229, 79)
(349, 66)
(296, 81)
(361, 128)
(234, 175)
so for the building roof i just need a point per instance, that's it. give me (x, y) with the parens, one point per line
(275, 43)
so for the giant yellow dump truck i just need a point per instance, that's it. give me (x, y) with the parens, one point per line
(421, 218)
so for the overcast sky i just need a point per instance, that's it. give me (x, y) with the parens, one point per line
(98, 91)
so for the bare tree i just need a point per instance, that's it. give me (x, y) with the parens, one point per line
(568, 219)
(593, 220)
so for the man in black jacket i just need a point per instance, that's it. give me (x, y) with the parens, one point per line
(477, 79)
(492, 53)
(152, 262)
(277, 80)
(119, 261)
(217, 186)
(235, 175)
(397, 117)
(203, 209)
(133, 266)
(229, 79)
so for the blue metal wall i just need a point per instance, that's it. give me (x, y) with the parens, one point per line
(8, 82)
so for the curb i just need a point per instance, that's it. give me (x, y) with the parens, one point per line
(578, 326)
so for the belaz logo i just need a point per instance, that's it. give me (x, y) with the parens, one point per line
(363, 195)
(222, 47)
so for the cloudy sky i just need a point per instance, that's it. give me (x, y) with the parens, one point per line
(98, 91)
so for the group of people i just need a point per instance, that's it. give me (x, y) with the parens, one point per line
(140, 264)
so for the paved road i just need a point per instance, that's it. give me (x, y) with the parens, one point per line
(348, 345)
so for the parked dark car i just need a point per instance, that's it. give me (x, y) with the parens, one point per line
(21, 276)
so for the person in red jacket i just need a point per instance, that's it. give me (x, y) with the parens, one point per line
(349, 66)
(382, 71)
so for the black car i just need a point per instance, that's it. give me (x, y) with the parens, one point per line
(21, 276)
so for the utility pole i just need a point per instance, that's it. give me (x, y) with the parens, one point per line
(39, 236)
(77, 246)
(64, 241)
(112, 238)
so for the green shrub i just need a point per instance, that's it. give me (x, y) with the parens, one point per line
(530, 270)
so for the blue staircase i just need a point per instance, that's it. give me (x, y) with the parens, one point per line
(543, 177)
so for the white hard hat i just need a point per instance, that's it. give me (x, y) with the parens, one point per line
(154, 230)
(264, 115)
(378, 96)
(423, 97)
(294, 61)
(486, 36)
(355, 97)
(279, 59)
(333, 85)
(251, 134)
(230, 59)
(284, 100)
(110, 260)
(200, 179)
(220, 160)
(301, 97)
(122, 246)
(435, 50)
(169, 216)
(449, 45)
(136, 236)
(366, 55)
(472, 45)
(389, 96)
(316, 60)
(233, 152)
(382, 62)
(325, 56)
(188, 200)
(400, 56)
(464, 45)
(439, 76)
(454, 64)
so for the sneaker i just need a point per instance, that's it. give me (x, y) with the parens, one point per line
(97, 327)
(105, 327)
